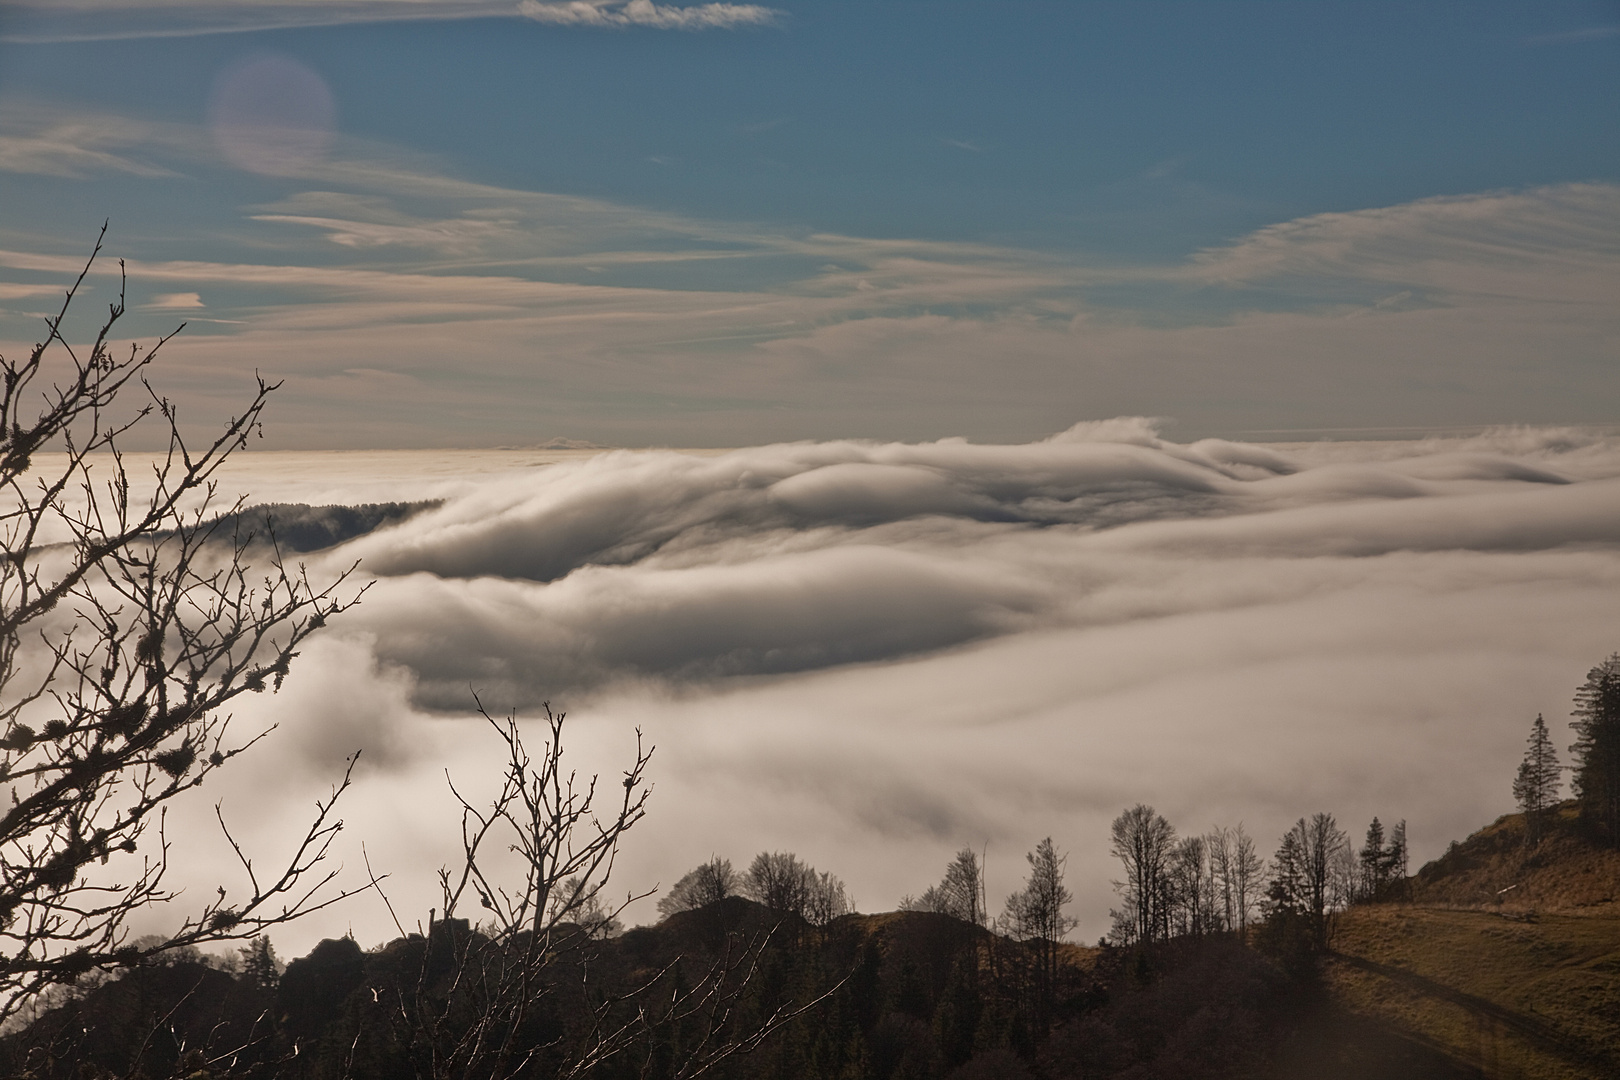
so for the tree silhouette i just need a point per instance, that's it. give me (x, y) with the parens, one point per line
(699, 887)
(130, 619)
(783, 883)
(1535, 787)
(1311, 875)
(1597, 749)
(1035, 914)
(259, 964)
(960, 894)
(1142, 840)
(1374, 866)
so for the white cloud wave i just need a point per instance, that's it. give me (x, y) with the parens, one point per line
(872, 653)
(670, 566)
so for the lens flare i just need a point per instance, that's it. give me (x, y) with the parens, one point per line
(271, 115)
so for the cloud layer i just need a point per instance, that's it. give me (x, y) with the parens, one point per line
(873, 653)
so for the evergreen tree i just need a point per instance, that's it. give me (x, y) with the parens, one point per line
(1306, 880)
(1535, 788)
(1374, 864)
(1396, 856)
(1286, 890)
(259, 963)
(1597, 749)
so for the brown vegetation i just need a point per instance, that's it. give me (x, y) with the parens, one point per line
(1497, 869)
(1507, 962)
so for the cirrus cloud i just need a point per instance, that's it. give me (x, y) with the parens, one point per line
(618, 14)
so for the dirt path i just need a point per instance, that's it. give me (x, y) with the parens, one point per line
(1540, 1034)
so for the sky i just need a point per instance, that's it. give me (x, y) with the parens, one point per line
(1203, 404)
(452, 223)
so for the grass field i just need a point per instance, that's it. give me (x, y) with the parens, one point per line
(1508, 961)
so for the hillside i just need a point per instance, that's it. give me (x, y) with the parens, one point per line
(1495, 868)
(1507, 959)
(1502, 964)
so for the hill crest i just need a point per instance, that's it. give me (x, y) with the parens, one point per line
(1494, 868)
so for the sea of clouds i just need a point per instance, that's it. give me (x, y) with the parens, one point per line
(873, 654)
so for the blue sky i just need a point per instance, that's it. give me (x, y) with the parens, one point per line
(720, 224)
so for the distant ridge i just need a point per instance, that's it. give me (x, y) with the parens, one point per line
(300, 528)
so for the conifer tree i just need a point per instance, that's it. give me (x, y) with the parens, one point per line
(1395, 857)
(1597, 749)
(1535, 788)
(259, 963)
(1307, 881)
(1374, 865)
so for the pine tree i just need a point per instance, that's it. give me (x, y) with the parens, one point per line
(259, 964)
(1374, 869)
(1285, 893)
(1535, 788)
(1597, 749)
(1395, 858)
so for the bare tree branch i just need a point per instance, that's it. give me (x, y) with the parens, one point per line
(128, 625)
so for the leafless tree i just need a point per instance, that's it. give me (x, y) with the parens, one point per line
(706, 884)
(1192, 887)
(1142, 841)
(1222, 850)
(1314, 873)
(129, 622)
(1036, 916)
(1246, 870)
(828, 899)
(474, 1007)
(786, 884)
(960, 894)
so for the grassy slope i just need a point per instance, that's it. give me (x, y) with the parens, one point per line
(1517, 983)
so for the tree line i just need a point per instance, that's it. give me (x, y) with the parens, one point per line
(1595, 772)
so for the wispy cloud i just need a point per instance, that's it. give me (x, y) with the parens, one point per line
(178, 301)
(659, 327)
(1553, 235)
(22, 292)
(617, 14)
(91, 20)
(1572, 37)
(42, 144)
